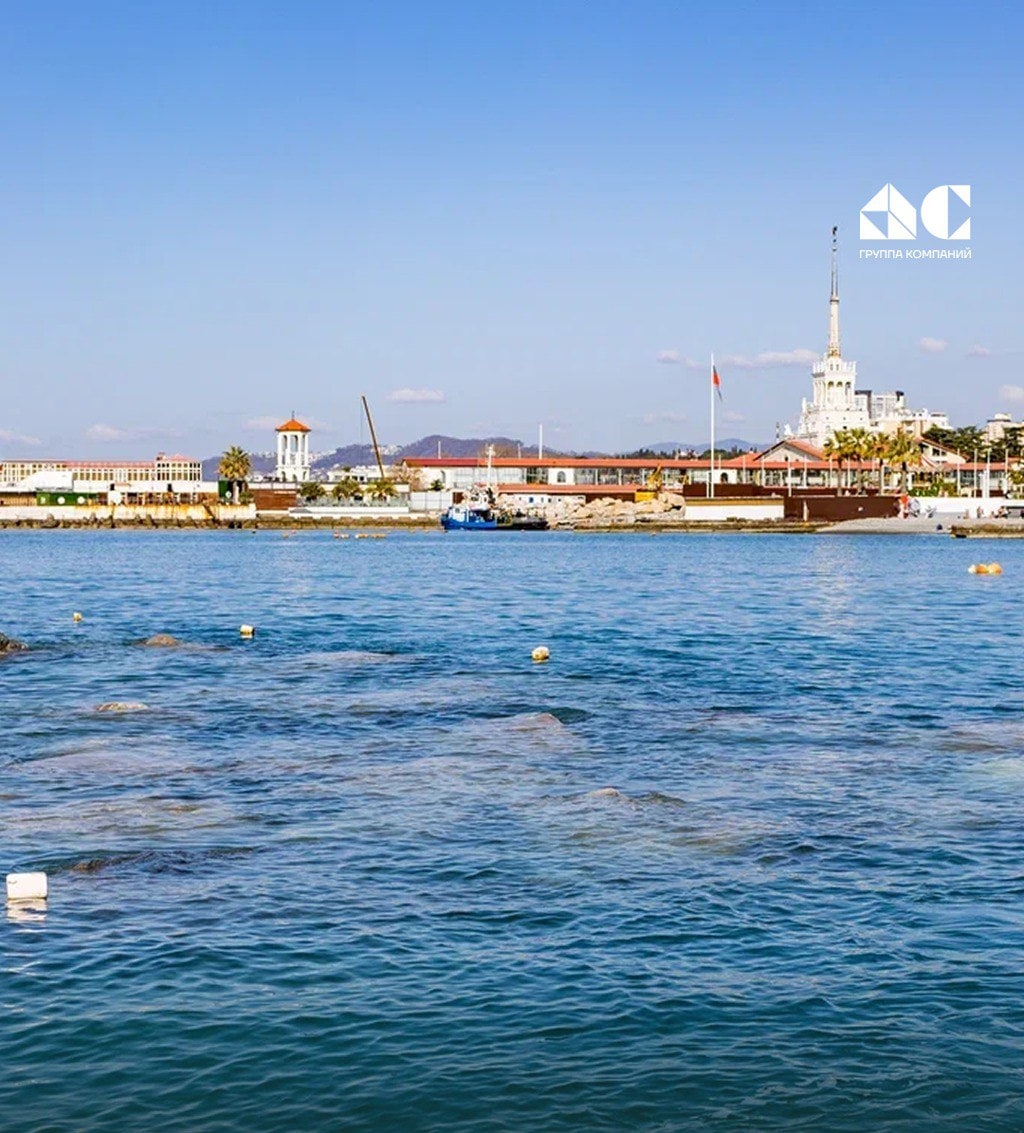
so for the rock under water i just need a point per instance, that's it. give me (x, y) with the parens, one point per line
(11, 645)
(116, 706)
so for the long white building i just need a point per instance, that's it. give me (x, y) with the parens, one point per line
(174, 474)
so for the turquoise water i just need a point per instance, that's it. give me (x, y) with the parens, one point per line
(363, 872)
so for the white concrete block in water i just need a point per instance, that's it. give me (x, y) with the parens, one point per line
(26, 886)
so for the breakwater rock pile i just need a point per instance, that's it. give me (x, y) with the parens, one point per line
(10, 645)
(666, 509)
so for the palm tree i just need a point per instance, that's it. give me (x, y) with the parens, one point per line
(905, 451)
(844, 445)
(382, 489)
(834, 451)
(880, 452)
(345, 488)
(235, 467)
(312, 491)
(861, 445)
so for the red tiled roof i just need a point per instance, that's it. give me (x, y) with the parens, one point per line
(519, 489)
(137, 464)
(649, 462)
(292, 426)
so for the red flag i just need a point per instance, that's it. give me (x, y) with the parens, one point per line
(716, 381)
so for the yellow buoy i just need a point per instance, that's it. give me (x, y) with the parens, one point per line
(247, 630)
(76, 616)
(978, 568)
(541, 653)
(994, 568)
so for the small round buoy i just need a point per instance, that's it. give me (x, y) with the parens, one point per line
(541, 653)
(76, 616)
(27, 887)
(978, 568)
(247, 630)
(994, 568)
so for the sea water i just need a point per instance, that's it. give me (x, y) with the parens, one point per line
(747, 853)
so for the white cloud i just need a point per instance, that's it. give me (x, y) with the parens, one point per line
(408, 396)
(769, 359)
(733, 417)
(101, 432)
(664, 417)
(765, 360)
(669, 357)
(105, 433)
(933, 345)
(12, 438)
(977, 351)
(1011, 393)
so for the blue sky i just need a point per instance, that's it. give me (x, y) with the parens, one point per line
(485, 216)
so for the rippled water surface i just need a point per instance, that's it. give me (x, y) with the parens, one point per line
(748, 853)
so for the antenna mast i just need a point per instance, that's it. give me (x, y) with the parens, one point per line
(373, 437)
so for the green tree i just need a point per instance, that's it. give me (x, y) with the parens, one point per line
(843, 446)
(879, 450)
(861, 445)
(1016, 480)
(382, 489)
(311, 491)
(904, 453)
(235, 467)
(345, 489)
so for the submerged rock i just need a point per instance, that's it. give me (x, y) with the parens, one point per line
(10, 645)
(162, 641)
(122, 706)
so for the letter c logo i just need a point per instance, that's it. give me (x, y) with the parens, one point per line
(945, 207)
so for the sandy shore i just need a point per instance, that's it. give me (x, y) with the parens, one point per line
(938, 525)
(892, 525)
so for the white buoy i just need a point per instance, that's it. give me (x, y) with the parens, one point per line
(247, 630)
(26, 887)
(541, 653)
(76, 616)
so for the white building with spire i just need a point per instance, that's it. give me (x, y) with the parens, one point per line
(838, 404)
(292, 452)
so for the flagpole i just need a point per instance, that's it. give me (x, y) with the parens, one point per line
(711, 466)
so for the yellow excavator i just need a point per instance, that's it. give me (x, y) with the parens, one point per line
(653, 484)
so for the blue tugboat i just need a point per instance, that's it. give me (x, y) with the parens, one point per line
(484, 517)
(469, 517)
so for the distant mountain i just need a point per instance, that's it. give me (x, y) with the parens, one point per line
(669, 447)
(262, 462)
(351, 456)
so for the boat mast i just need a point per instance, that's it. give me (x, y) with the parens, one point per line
(373, 437)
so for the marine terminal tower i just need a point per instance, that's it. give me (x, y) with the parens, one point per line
(838, 404)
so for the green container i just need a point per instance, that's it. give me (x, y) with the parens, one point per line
(66, 499)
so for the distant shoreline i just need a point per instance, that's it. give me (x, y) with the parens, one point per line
(974, 529)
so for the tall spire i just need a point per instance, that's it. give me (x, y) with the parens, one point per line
(833, 303)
